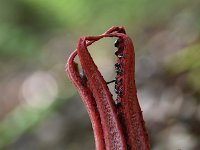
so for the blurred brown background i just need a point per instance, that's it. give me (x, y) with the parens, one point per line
(39, 107)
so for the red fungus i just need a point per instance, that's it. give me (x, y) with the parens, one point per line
(117, 126)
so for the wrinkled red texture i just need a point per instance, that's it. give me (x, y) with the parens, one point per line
(116, 127)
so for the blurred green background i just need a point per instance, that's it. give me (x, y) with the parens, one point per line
(39, 107)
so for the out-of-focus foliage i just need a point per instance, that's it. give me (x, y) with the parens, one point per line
(21, 120)
(187, 62)
(17, 42)
(37, 110)
(88, 13)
